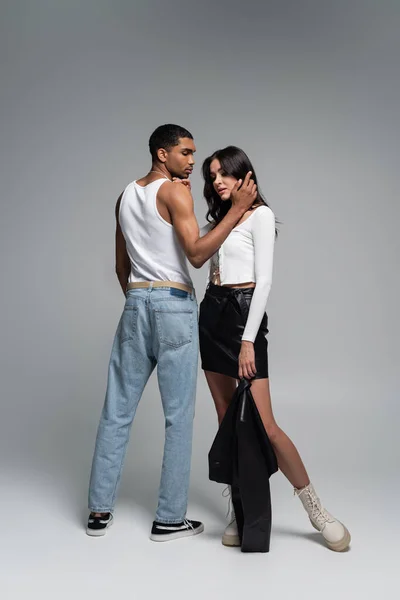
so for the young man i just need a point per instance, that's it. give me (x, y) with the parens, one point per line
(156, 231)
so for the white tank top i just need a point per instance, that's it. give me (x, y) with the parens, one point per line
(151, 242)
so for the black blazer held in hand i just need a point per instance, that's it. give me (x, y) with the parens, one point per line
(243, 457)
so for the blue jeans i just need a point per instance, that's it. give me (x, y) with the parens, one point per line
(158, 327)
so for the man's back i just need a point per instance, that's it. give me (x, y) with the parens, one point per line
(151, 242)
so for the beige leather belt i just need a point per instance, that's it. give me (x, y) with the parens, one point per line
(156, 284)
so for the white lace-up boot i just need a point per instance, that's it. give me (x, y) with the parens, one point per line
(231, 534)
(333, 531)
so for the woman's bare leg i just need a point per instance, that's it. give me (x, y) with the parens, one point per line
(289, 460)
(222, 389)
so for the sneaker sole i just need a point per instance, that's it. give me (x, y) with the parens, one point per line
(99, 532)
(230, 540)
(166, 537)
(342, 544)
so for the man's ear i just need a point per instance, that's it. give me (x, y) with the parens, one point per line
(162, 155)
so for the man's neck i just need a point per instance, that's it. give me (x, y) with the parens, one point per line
(160, 169)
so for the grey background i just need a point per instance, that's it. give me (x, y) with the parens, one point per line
(310, 90)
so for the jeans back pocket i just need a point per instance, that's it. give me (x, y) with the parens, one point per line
(175, 325)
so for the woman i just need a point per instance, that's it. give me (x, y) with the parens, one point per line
(232, 347)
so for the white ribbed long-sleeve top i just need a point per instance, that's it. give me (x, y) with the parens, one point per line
(247, 256)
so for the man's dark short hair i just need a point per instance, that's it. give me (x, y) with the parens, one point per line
(167, 136)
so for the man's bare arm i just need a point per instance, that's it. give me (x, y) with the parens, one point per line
(180, 204)
(122, 262)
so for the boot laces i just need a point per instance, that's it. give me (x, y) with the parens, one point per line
(230, 513)
(315, 509)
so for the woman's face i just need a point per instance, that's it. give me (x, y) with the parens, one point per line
(223, 183)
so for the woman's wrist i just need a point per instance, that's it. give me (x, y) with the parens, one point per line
(238, 211)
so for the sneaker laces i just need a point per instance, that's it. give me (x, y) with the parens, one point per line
(188, 524)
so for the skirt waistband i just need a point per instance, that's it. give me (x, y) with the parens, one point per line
(228, 292)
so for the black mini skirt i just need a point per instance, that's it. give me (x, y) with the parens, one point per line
(222, 319)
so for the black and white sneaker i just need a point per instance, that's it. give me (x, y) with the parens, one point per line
(97, 526)
(163, 532)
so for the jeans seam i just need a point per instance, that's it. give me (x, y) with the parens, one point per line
(133, 323)
(117, 479)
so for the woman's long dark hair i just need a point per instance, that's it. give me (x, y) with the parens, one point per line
(233, 162)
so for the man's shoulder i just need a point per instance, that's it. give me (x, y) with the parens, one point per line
(174, 192)
(122, 194)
